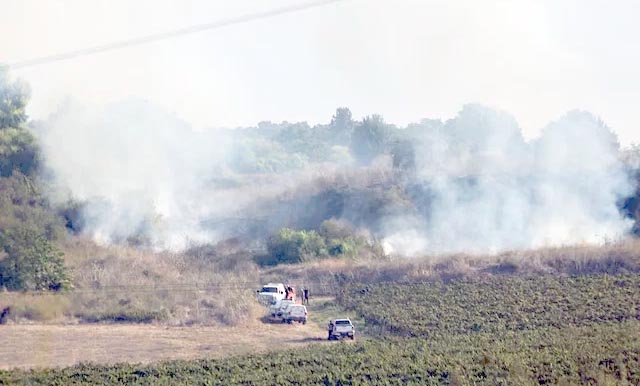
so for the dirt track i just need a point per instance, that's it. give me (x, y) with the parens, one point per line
(29, 346)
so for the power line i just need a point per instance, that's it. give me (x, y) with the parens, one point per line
(171, 34)
(172, 287)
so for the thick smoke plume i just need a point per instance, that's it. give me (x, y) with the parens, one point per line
(141, 173)
(490, 190)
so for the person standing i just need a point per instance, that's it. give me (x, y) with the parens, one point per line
(305, 296)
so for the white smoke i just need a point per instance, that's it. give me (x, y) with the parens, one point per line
(143, 172)
(492, 191)
(137, 167)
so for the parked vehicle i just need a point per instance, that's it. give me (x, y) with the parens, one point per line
(341, 328)
(295, 313)
(271, 293)
(280, 307)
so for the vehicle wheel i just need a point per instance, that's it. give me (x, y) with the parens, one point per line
(304, 321)
(352, 337)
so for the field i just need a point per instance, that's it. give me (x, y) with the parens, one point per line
(496, 304)
(490, 330)
(573, 356)
(29, 346)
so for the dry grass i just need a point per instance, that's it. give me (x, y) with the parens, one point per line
(324, 277)
(214, 285)
(30, 346)
(123, 284)
(38, 308)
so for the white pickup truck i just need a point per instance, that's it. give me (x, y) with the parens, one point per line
(340, 328)
(271, 293)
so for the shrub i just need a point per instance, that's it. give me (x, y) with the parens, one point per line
(18, 151)
(292, 246)
(347, 247)
(336, 238)
(38, 307)
(31, 262)
(126, 315)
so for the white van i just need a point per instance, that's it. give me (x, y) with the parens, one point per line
(271, 293)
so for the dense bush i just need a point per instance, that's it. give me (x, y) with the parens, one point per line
(292, 246)
(13, 101)
(126, 315)
(28, 229)
(23, 206)
(18, 151)
(32, 262)
(335, 238)
(27, 225)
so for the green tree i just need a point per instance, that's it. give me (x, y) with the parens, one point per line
(14, 96)
(22, 206)
(403, 154)
(28, 259)
(341, 126)
(369, 138)
(31, 262)
(18, 149)
(301, 139)
(292, 246)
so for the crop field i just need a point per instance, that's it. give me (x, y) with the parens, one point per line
(502, 330)
(495, 304)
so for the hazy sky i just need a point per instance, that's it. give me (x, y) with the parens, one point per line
(405, 59)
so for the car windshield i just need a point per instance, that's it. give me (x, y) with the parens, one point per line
(270, 289)
(342, 322)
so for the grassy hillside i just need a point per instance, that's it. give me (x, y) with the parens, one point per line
(124, 284)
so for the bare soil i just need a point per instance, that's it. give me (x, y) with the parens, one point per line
(32, 346)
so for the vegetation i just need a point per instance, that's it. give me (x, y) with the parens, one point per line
(291, 246)
(582, 330)
(13, 101)
(28, 226)
(496, 305)
(123, 284)
(32, 262)
(335, 238)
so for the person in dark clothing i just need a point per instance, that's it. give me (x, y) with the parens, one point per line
(4, 315)
(305, 296)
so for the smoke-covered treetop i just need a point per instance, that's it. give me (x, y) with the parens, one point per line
(471, 183)
(13, 101)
